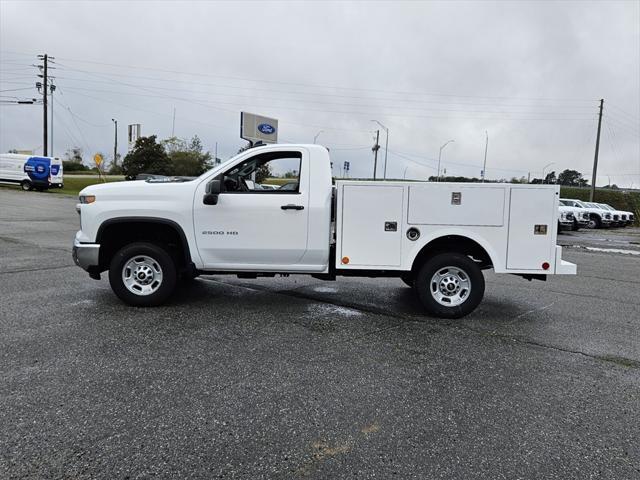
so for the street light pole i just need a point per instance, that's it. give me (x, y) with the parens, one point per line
(386, 147)
(440, 156)
(115, 141)
(52, 89)
(317, 135)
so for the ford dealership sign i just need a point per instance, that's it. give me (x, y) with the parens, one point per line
(258, 128)
(267, 129)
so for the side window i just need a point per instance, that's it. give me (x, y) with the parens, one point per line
(276, 172)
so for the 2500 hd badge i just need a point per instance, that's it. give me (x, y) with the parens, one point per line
(218, 232)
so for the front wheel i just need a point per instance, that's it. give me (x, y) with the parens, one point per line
(575, 227)
(594, 222)
(450, 285)
(143, 274)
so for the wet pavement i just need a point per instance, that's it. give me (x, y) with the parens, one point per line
(298, 378)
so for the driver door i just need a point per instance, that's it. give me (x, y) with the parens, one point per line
(252, 227)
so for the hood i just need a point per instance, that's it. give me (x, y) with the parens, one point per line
(136, 189)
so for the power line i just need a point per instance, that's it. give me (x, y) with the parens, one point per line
(308, 85)
(486, 115)
(313, 94)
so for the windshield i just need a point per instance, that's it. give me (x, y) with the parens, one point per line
(580, 204)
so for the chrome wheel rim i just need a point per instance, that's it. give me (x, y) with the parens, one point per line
(142, 275)
(592, 224)
(450, 286)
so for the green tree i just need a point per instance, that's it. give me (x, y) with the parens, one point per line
(187, 159)
(147, 156)
(72, 161)
(571, 178)
(550, 177)
(263, 172)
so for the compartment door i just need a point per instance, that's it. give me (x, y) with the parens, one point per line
(528, 250)
(371, 225)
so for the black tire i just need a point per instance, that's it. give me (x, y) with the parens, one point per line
(470, 273)
(575, 227)
(407, 279)
(595, 222)
(164, 266)
(26, 185)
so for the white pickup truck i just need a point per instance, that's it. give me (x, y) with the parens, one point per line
(436, 237)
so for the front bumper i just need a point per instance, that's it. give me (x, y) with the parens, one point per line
(86, 255)
(565, 224)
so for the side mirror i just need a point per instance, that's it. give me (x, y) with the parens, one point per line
(212, 192)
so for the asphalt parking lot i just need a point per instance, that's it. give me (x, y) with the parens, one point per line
(295, 377)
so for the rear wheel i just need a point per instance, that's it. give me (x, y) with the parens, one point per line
(143, 274)
(26, 185)
(450, 285)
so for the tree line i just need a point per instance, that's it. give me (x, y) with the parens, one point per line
(568, 178)
(173, 156)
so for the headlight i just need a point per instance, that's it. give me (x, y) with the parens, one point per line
(87, 198)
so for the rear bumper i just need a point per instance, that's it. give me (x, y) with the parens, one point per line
(86, 255)
(563, 267)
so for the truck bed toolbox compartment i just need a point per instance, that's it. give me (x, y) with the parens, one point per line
(455, 204)
(371, 224)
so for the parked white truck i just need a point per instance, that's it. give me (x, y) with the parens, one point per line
(437, 237)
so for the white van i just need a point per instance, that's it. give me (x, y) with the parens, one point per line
(30, 171)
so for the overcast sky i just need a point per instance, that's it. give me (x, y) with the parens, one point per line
(529, 73)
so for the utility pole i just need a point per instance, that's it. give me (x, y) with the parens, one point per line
(595, 158)
(484, 166)
(173, 124)
(386, 147)
(45, 86)
(115, 141)
(215, 155)
(375, 149)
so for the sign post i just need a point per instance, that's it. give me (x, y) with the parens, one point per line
(97, 159)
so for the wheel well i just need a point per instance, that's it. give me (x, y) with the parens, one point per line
(115, 234)
(453, 244)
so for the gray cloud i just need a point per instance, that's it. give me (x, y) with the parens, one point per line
(530, 73)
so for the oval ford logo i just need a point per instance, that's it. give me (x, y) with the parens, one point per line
(266, 129)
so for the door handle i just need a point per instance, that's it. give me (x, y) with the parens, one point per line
(292, 207)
